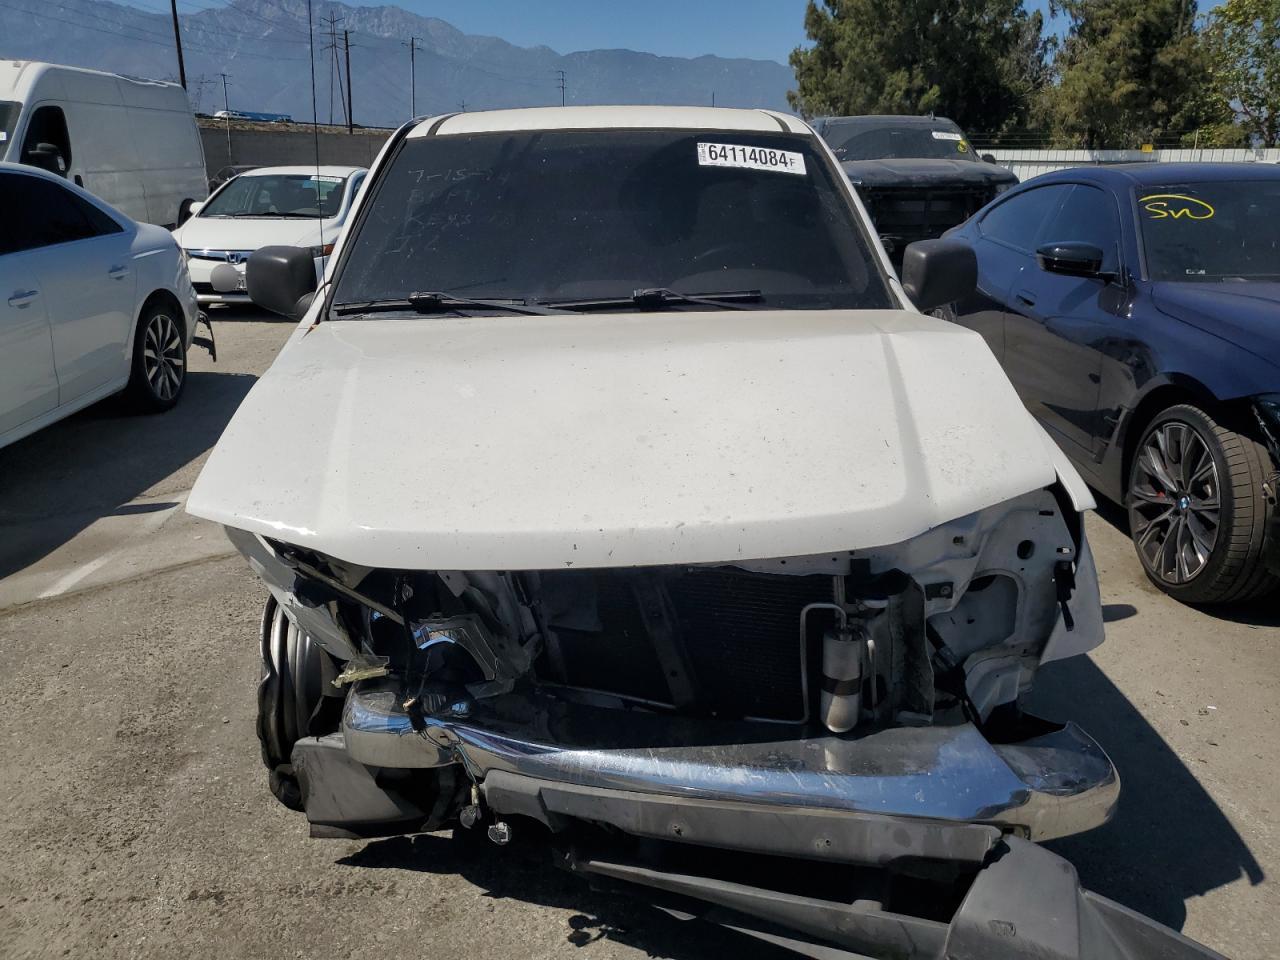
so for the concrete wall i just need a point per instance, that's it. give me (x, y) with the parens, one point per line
(276, 145)
(1030, 163)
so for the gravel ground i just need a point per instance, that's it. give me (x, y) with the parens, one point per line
(138, 821)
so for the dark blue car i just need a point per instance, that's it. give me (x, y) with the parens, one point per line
(1136, 308)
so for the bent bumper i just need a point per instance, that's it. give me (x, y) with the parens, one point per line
(649, 768)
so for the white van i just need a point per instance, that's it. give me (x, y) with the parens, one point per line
(134, 143)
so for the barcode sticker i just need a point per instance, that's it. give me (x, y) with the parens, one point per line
(750, 158)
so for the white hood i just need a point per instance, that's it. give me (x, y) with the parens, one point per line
(615, 440)
(251, 233)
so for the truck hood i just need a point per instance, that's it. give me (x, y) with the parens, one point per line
(1244, 314)
(251, 233)
(925, 172)
(510, 443)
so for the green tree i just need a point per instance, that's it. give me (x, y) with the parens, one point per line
(1132, 72)
(979, 62)
(1242, 38)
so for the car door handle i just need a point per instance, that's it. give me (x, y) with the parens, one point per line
(118, 273)
(21, 299)
(1025, 296)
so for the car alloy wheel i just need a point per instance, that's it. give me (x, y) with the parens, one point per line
(1174, 502)
(163, 360)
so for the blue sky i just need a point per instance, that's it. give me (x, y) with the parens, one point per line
(763, 29)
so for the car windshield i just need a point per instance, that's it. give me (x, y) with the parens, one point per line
(570, 215)
(270, 195)
(9, 112)
(886, 141)
(1212, 232)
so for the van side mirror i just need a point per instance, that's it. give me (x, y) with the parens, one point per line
(1070, 258)
(46, 156)
(988, 158)
(281, 279)
(938, 272)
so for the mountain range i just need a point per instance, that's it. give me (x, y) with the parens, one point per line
(263, 47)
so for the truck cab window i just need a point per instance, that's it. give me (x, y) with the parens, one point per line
(47, 144)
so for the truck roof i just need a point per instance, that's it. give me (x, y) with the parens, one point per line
(609, 118)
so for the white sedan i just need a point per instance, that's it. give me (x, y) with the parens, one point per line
(291, 206)
(91, 303)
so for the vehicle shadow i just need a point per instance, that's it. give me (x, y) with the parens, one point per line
(528, 876)
(1168, 840)
(1258, 613)
(58, 481)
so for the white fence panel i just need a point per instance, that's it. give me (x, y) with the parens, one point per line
(1030, 163)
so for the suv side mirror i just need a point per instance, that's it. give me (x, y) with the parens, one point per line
(938, 272)
(47, 157)
(1071, 258)
(988, 158)
(281, 279)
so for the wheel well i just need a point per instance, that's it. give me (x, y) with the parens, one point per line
(167, 299)
(1235, 414)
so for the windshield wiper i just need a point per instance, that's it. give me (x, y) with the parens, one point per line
(435, 301)
(275, 216)
(655, 298)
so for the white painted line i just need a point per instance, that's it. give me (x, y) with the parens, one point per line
(150, 523)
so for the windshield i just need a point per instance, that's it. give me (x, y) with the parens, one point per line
(1209, 232)
(860, 140)
(278, 195)
(572, 215)
(9, 112)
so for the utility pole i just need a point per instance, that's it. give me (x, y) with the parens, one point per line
(177, 41)
(561, 82)
(351, 110)
(226, 108)
(332, 23)
(413, 77)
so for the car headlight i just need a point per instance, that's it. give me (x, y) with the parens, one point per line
(1002, 187)
(321, 251)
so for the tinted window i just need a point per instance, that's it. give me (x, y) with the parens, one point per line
(1087, 215)
(39, 213)
(1209, 232)
(577, 214)
(1017, 221)
(877, 140)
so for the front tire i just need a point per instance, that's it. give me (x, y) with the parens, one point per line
(159, 369)
(1198, 514)
(292, 701)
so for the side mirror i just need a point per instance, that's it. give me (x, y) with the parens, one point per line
(1070, 258)
(194, 207)
(938, 272)
(46, 156)
(988, 158)
(281, 279)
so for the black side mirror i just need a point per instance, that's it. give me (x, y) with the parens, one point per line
(938, 272)
(281, 279)
(46, 156)
(988, 158)
(1070, 258)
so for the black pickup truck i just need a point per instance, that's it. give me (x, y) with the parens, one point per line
(917, 176)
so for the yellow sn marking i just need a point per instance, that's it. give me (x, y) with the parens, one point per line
(1184, 207)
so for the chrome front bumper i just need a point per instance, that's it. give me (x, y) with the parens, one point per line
(1050, 785)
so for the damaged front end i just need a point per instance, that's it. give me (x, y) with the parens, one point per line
(687, 728)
